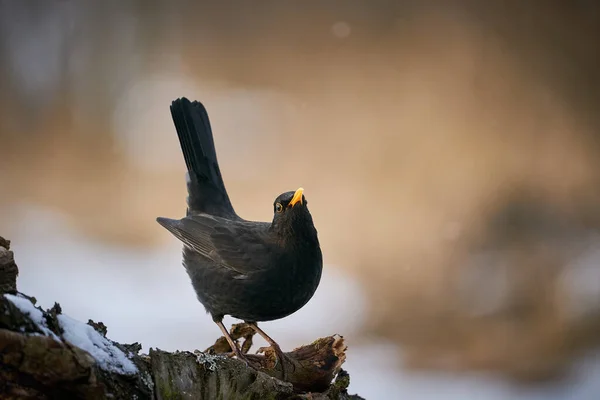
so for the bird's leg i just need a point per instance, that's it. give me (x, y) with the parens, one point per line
(232, 343)
(274, 345)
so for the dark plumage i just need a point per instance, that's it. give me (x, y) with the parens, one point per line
(254, 271)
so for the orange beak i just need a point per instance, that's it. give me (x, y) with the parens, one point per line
(297, 198)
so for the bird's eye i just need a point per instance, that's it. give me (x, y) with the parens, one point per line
(278, 207)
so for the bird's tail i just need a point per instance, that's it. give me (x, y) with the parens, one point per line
(206, 190)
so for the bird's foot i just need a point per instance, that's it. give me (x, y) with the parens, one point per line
(242, 357)
(280, 358)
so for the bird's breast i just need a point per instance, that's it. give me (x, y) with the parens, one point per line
(299, 274)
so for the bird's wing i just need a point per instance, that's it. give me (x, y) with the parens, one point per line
(241, 246)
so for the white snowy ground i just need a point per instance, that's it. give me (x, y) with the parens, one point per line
(107, 355)
(145, 296)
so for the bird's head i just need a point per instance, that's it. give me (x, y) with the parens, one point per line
(291, 217)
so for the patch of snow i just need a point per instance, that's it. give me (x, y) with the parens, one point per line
(107, 355)
(35, 314)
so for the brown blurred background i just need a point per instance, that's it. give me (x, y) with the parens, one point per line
(449, 150)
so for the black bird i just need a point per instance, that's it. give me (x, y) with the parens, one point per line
(254, 271)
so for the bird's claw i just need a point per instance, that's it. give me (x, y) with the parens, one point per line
(279, 357)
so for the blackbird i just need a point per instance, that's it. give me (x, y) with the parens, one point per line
(253, 271)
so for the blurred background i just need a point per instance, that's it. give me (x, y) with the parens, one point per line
(449, 151)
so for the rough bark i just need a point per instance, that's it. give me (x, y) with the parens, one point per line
(8, 268)
(35, 365)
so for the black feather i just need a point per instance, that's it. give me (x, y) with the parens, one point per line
(206, 189)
